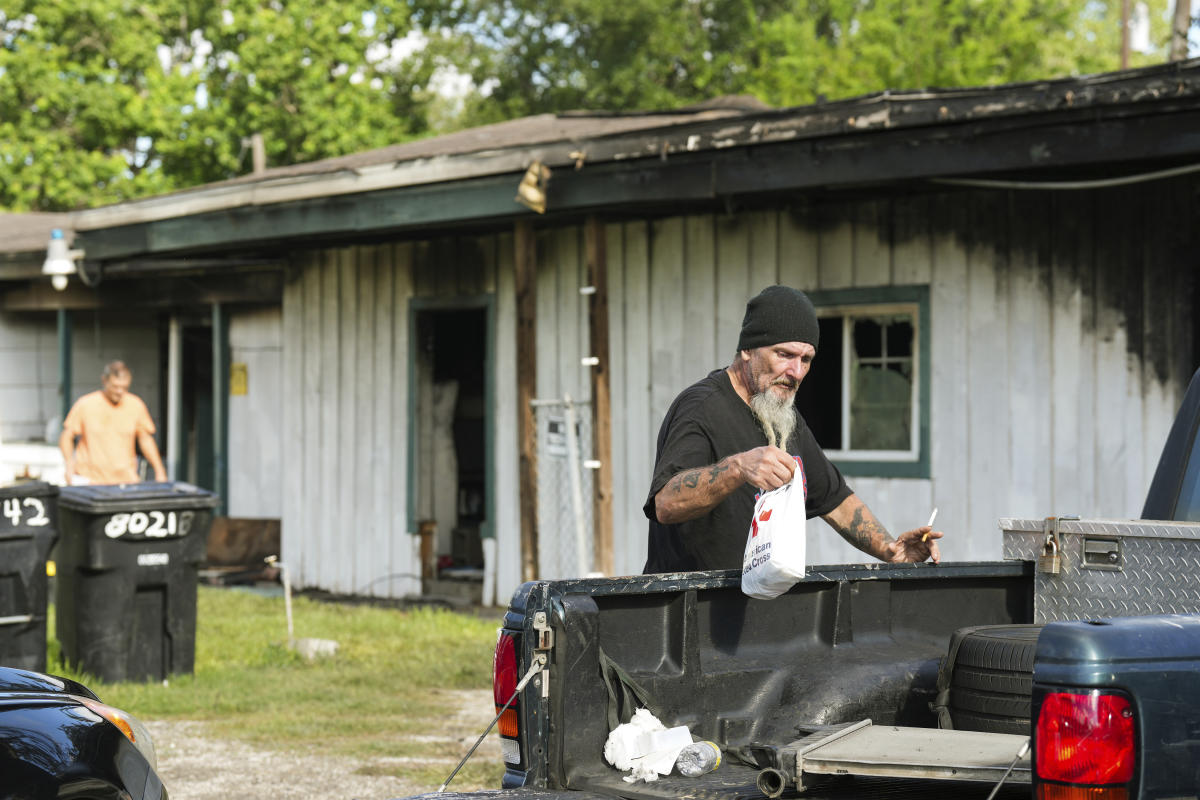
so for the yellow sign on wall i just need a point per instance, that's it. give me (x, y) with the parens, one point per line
(239, 379)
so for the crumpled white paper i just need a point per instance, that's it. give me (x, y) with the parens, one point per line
(645, 746)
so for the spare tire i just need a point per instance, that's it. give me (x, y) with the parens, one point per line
(991, 679)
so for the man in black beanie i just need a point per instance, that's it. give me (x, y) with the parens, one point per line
(737, 432)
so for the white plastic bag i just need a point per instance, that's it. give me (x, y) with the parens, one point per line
(645, 746)
(774, 559)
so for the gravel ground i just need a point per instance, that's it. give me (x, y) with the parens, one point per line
(195, 763)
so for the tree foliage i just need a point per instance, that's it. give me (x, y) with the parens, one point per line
(78, 88)
(548, 55)
(107, 100)
(309, 75)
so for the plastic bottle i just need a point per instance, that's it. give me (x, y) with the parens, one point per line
(698, 758)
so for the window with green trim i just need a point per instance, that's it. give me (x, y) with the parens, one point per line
(863, 398)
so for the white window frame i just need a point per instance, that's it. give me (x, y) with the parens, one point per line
(848, 312)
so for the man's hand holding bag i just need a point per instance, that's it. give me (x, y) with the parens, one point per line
(774, 559)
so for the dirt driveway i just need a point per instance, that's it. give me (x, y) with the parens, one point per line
(195, 763)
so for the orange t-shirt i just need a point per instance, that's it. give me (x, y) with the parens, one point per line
(106, 451)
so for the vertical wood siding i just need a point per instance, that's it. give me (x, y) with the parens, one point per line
(345, 413)
(255, 465)
(507, 508)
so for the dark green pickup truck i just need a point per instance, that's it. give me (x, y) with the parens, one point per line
(938, 658)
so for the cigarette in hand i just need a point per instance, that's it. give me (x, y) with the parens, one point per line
(932, 517)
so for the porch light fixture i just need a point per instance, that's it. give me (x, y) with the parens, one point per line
(60, 260)
(531, 192)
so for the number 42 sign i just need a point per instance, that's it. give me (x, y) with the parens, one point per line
(31, 510)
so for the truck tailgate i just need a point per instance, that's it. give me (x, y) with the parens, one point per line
(733, 781)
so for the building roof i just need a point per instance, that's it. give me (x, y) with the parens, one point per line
(29, 233)
(731, 147)
(576, 126)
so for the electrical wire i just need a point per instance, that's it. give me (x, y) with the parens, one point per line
(534, 669)
(91, 283)
(1100, 183)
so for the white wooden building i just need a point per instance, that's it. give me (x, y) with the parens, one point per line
(378, 324)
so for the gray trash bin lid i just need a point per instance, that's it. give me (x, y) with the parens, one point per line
(107, 499)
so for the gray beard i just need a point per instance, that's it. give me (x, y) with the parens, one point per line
(777, 417)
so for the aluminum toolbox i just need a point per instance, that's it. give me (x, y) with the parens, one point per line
(1107, 568)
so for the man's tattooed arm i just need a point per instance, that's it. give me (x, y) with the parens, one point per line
(695, 492)
(858, 526)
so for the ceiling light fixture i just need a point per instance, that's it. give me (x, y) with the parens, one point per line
(60, 260)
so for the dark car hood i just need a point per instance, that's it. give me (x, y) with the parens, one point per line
(24, 682)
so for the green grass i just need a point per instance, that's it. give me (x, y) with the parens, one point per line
(388, 680)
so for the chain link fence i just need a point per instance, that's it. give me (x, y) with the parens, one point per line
(564, 488)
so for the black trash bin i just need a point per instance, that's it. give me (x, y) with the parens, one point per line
(127, 573)
(28, 528)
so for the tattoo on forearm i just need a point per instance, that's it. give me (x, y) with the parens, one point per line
(865, 534)
(691, 479)
(715, 471)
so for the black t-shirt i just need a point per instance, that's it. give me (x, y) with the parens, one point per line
(707, 422)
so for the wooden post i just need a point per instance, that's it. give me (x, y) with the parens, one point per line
(525, 263)
(427, 530)
(602, 516)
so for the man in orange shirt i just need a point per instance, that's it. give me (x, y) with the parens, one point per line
(108, 424)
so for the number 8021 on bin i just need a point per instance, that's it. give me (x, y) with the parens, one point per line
(149, 524)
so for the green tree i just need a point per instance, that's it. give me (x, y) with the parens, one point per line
(535, 56)
(851, 47)
(315, 78)
(80, 92)
(551, 55)
(114, 99)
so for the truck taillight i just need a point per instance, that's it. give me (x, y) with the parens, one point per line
(505, 677)
(1084, 742)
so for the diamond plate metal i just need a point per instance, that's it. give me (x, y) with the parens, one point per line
(1158, 571)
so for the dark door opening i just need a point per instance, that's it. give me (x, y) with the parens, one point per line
(196, 407)
(450, 425)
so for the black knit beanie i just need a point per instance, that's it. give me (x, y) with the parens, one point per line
(779, 314)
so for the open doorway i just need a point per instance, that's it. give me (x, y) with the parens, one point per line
(196, 405)
(450, 439)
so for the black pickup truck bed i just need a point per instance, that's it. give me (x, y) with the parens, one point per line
(850, 642)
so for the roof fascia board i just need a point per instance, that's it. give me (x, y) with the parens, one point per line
(981, 150)
(265, 287)
(274, 191)
(365, 214)
(897, 155)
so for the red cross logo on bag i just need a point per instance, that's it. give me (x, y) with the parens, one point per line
(766, 515)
